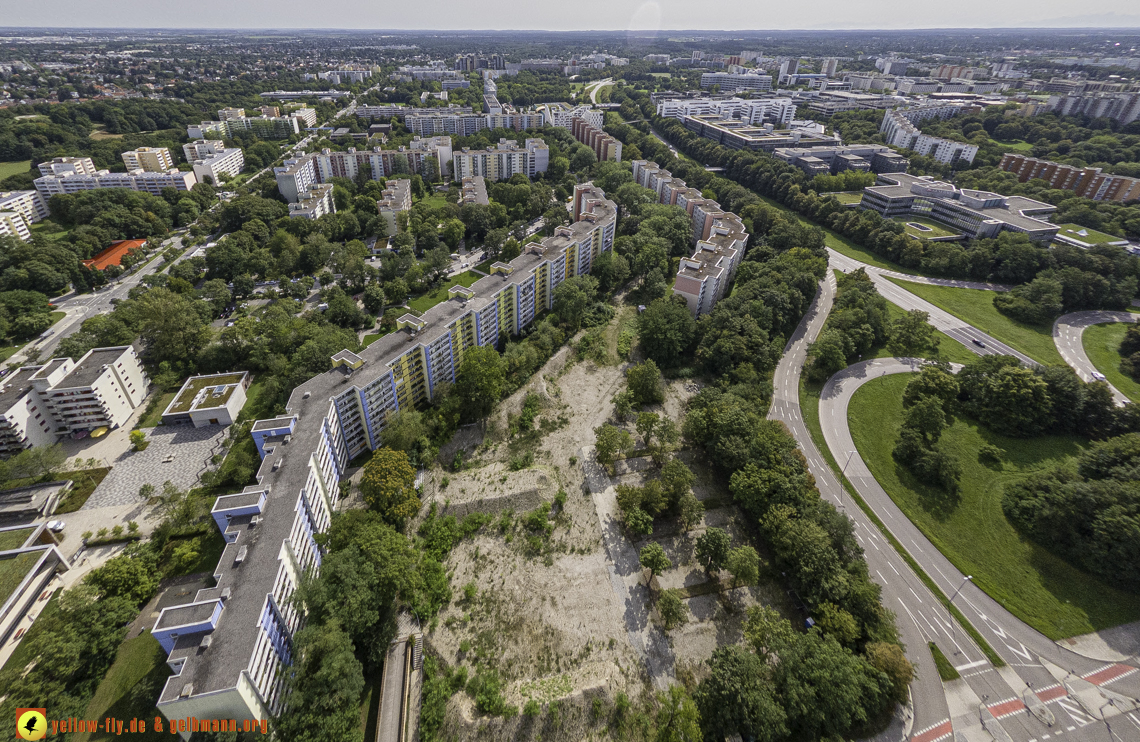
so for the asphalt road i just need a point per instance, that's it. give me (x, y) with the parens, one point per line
(990, 703)
(1067, 331)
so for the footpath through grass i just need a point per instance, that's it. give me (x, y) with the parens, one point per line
(1102, 343)
(976, 306)
(971, 530)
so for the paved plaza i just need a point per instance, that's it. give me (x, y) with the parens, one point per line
(177, 453)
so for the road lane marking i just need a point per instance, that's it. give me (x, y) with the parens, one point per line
(969, 665)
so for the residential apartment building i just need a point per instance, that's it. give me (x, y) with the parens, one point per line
(28, 204)
(395, 198)
(719, 236)
(297, 174)
(977, 214)
(1123, 108)
(150, 159)
(314, 203)
(265, 127)
(39, 404)
(562, 115)
(75, 174)
(605, 146)
(400, 111)
(729, 82)
(230, 646)
(500, 163)
(1087, 182)
(899, 130)
(461, 125)
(210, 159)
(474, 191)
(739, 135)
(776, 111)
(13, 224)
(876, 158)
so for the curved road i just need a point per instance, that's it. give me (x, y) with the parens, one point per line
(990, 702)
(1067, 331)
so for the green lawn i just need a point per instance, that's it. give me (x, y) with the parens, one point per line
(18, 167)
(485, 266)
(847, 197)
(14, 539)
(1102, 343)
(1091, 236)
(49, 230)
(131, 686)
(976, 306)
(971, 530)
(209, 547)
(13, 570)
(21, 655)
(436, 200)
(153, 414)
(1016, 146)
(935, 229)
(426, 301)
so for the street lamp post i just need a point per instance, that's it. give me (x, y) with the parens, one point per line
(841, 474)
(966, 579)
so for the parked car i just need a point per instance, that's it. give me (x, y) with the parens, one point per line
(55, 526)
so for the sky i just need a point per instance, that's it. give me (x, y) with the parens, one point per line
(579, 15)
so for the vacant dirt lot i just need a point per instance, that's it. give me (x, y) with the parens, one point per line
(554, 616)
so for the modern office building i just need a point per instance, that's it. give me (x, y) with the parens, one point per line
(739, 135)
(730, 82)
(899, 130)
(605, 146)
(394, 199)
(75, 174)
(314, 203)
(230, 646)
(719, 236)
(976, 214)
(500, 163)
(297, 174)
(1087, 182)
(474, 191)
(210, 159)
(150, 159)
(876, 158)
(756, 112)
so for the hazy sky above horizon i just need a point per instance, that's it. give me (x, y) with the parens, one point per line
(615, 15)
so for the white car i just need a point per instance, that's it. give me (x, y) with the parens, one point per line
(1098, 376)
(55, 526)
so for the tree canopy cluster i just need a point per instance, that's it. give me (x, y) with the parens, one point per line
(1089, 515)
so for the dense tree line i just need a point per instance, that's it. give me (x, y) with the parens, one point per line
(1130, 353)
(1090, 515)
(1009, 258)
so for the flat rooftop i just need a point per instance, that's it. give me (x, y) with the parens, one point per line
(90, 367)
(184, 401)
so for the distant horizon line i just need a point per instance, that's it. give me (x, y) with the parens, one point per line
(647, 32)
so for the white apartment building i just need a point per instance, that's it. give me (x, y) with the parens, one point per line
(395, 198)
(68, 166)
(266, 127)
(229, 114)
(28, 204)
(13, 224)
(729, 82)
(314, 203)
(136, 180)
(150, 159)
(297, 174)
(562, 115)
(899, 130)
(210, 159)
(719, 236)
(778, 111)
(231, 645)
(502, 162)
(41, 403)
